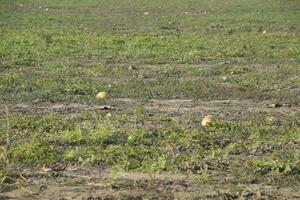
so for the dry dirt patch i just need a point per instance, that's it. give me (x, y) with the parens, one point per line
(95, 183)
(224, 109)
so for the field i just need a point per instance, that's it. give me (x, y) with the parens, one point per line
(166, 65)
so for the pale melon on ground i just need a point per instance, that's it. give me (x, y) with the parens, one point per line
(207, 120)
(102, 95)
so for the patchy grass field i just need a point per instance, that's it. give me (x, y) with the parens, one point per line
(165, 65)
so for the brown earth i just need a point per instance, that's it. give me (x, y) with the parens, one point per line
(222, 109)
(97, 183)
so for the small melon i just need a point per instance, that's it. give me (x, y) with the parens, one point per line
(102, 95)
(207, 120)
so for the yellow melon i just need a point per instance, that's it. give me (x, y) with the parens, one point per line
(207, 120)
(102, 95)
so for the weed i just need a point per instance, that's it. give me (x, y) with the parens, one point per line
(34, 152)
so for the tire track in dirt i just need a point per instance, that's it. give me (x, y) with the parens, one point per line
(225, 109)
(97, 183)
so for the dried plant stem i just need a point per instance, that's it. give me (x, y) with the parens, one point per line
(8, 133)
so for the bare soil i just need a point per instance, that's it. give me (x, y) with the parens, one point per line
(222, 109)
(96, 183)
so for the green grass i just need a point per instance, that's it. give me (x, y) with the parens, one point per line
(29, 48)
(75, 84)
(179, 50)
(171, 148)
(61, 54)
